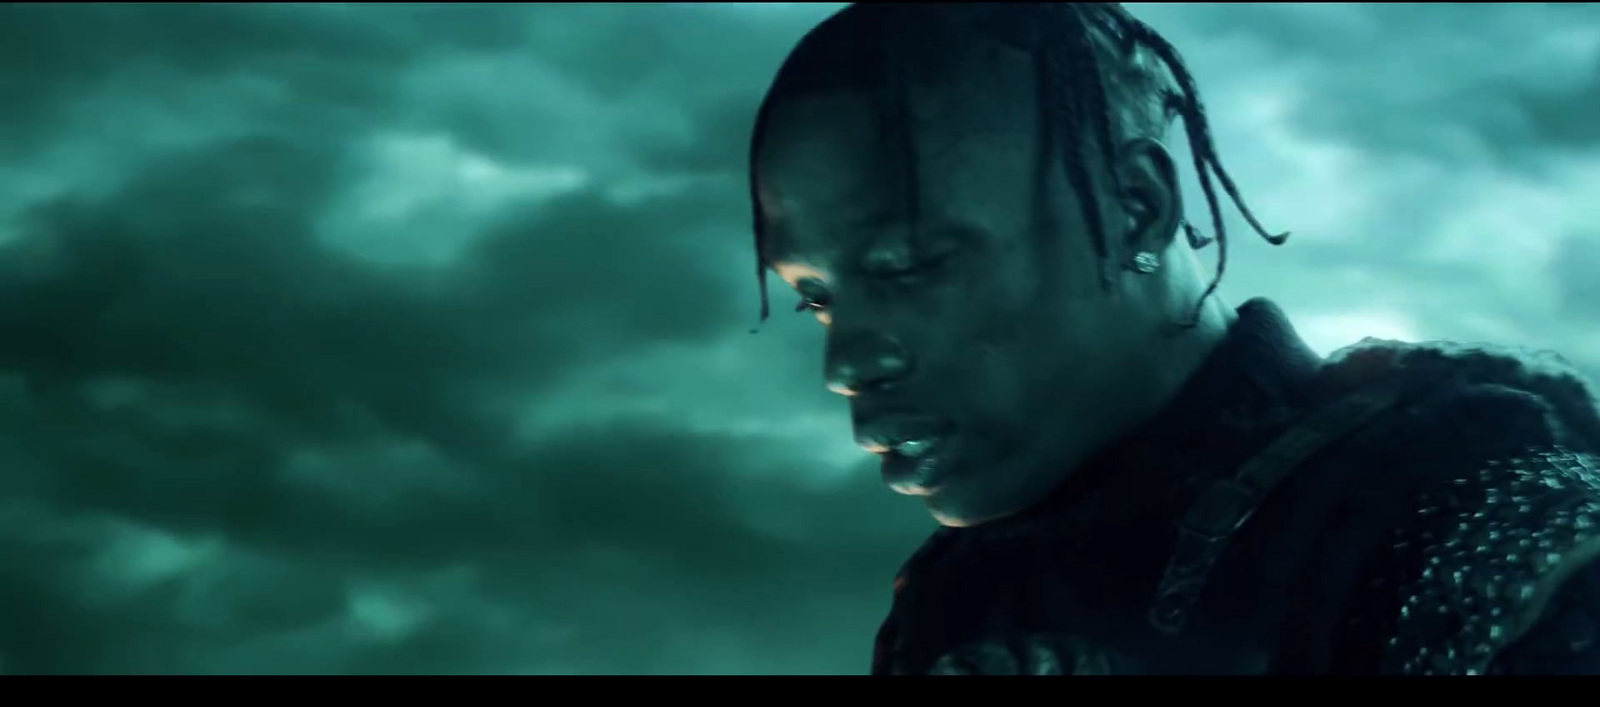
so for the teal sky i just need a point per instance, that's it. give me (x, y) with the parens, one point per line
(414, 339)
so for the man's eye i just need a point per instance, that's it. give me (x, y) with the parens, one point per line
(812, 297)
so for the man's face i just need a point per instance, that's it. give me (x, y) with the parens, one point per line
(967, 325)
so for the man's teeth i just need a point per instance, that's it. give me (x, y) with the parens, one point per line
(913, 447)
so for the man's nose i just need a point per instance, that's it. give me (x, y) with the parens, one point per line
(863, 364)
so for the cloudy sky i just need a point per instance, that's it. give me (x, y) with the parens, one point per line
(361, 339)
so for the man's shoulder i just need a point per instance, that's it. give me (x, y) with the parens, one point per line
(1478, 399)
(1492, 495)
(1465, 407)
(1484, 555)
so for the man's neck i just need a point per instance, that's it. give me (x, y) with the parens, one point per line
(1256, 349)
(1183, 352)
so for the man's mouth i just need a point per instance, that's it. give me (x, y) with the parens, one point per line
(905, 448)
(914, 447)
(914, 453)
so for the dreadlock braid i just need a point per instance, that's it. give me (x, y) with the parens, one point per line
(1196, 113)
(1186, 103)
(759, 221)
(895, 60)
(1083, 54)
(1203, 148)
(1061, 62)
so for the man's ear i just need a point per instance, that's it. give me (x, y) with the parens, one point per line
(1151, 200)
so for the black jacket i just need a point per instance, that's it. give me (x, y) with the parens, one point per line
(1449, 533)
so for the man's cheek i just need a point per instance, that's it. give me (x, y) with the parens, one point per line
(998, 378)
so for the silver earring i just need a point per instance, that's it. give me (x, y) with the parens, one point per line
(1146, 262)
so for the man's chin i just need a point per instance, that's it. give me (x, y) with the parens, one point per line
(965, 484)
(967, 500)
(950, 512)
(962, 520)
(951, 521)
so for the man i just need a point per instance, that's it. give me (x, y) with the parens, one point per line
(1132, 477)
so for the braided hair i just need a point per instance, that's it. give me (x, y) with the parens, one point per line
(1094, 85)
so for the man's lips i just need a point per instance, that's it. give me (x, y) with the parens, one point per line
(914, 451)
(916, 476)
(911, 437)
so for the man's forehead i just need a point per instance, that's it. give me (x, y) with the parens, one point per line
(831, 163)
(984, 88)
(840, 167)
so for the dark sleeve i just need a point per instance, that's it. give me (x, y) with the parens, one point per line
(1505, 571)
(1566, 638)
(1491, 543)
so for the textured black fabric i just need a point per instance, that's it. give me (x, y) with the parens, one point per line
(1567, 641)
(1313, 584)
